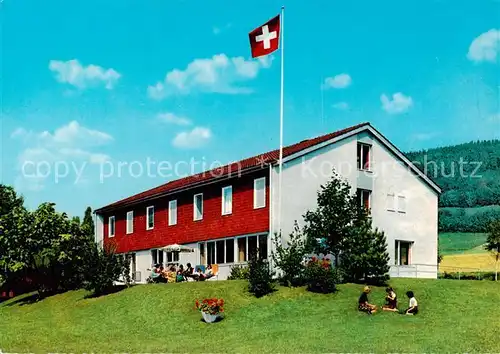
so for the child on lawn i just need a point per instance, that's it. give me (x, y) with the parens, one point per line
(363, 304)
(391, 301)
(413, 306)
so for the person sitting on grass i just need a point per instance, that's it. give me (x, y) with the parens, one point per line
(413, 306)
(391, 301)
(363, 304)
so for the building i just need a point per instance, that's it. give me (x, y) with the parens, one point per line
(225, 213)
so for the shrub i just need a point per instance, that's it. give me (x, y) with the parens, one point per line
(105, 268)
(321, 277)
(467, 275)
(260, 276)
(290, 259)
(238, 272)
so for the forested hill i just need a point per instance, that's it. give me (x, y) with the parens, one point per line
(468, 174)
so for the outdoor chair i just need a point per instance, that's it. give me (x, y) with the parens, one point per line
(215, 272)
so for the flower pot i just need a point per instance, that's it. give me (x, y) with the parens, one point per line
(208, 317)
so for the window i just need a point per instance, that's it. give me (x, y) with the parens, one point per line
(242, 249)
(111, 226)
(227, 200)
(249, 244)
(259, 193)
(156, 257)
(150, 217)
(252, 246)
(363, 156)
(223, 251)
(390, 202)
(203, 259)
(401, 204)
(263, 246)
(130, 222)
(211, 253)
(230, 250)
(172, 257)
(172, 212)
(198, 207)
(364, 198)
(403, 252)
(218, 252)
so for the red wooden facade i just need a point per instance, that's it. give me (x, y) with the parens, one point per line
(244, 219)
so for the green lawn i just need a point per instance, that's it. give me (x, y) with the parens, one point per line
(455, 316)
(461, 242)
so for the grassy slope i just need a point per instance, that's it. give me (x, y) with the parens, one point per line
(460, 242)
(456, 316)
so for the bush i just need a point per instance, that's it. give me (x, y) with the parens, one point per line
(238, 272)
(467, 276)
(260, 276)
(290, 259)
(105, 268)
(321, 277)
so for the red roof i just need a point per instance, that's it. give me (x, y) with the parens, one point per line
(266, 158)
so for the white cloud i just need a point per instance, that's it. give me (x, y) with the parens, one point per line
(172, 118)
(399, 103)
(218, 30)
(343, 106)
(73, 73)
(424, 136)
(485, 47)
(338, 81)
(495, 118)
(195, 138)
(69, 147)
(219, 74)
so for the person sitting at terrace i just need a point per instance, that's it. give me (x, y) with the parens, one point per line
(208, 272)
(180, 273)
(156, 273)
(198, 274)
(171, 275)
(188, 273)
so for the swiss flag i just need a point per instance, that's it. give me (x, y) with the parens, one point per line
(265, 39)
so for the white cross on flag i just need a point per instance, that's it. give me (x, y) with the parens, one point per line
(265, 39)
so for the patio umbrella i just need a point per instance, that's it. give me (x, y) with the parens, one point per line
(177, 248)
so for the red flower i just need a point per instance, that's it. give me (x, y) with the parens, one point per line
(212, 305)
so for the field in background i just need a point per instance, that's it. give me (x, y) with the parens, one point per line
(464, 252)
(461, 242)
(160, 318)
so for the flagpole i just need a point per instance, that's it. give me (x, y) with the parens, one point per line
(282, 32)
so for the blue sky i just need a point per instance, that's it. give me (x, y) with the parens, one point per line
(87, 85)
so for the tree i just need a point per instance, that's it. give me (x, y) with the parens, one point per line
(12, 232)
(88, 221)
(342, 221)
(104, 268)
(333, 218)
(290, 259)
(493, 243)
(364, 255)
